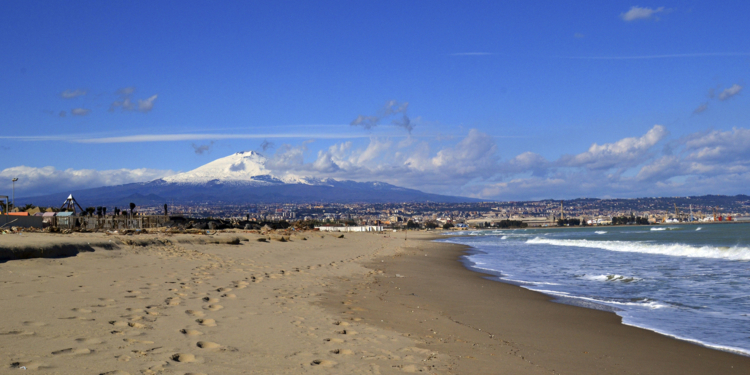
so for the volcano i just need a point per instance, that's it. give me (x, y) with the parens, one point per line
(243, 178)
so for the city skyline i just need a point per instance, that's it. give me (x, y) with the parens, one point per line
(508, 101)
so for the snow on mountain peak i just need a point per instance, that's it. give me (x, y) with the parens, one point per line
(244, 166)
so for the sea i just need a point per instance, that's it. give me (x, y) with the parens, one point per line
(690, 282)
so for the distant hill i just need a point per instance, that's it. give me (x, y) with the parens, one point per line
(241, 178)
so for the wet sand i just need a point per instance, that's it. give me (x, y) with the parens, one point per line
(488, 327)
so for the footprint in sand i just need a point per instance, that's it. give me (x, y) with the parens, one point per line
(228, 295)
(116, 372)
(134, 341)
(336, 341)
(183, 357)
(17, 332)
(208, 345)
(29, 365)
(80, 310)
(34, 324)
(190, 332)
(323, 363)
(72, 351)
(213, 307)
(222, 290)
(198, 314)
(342, 351)
(210, 300)
(207, 322)
(89, 341)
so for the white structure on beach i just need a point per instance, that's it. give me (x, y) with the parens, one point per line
(363, 228)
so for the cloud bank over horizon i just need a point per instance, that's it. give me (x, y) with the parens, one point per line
(650, 164)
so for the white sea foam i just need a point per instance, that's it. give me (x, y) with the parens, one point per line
(644, 303)
(504, 237)
(664, 228)
(612, 278)
(528, 282)
(675, 249)
(725, 348)
(601, 232)
(697, 229)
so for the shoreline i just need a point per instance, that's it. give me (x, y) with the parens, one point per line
(502, 326)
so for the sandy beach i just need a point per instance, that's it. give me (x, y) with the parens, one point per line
(243, 303)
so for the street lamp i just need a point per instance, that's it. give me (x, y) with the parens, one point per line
(14, 191)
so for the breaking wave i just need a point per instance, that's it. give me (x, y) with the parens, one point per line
(601, 232)
(675, 249)
(612, 278)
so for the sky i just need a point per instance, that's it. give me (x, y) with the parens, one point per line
(501, 100)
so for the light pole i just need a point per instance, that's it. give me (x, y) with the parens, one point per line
(14, 191)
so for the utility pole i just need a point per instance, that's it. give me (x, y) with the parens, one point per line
(14, 191)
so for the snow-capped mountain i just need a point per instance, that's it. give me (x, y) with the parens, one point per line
(245, 167)
(243, 178)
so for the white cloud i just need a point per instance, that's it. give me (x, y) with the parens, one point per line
(146, 105)
(715, 162)
(701, 108)
(137, 138)
(638, 13)
(70, 94)
(730, 92)
(46, 180)
(80, 111)
(405, 164)
(126, 104)
(391, 108)
(625, 153)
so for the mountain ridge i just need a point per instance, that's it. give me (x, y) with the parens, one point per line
(243, 178)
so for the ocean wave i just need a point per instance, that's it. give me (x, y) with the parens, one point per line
(613, 277)
(697, 229)
(731, 349)
(504, 237)
(528, 282)
(601, 232)
(645, 302)
(675, 249)
(664, 228)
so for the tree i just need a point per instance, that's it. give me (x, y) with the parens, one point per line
(165, 209)
(117, 211)
(132, 207)
(90, 211)
(412, 225)
(104, 211)
(431, 225)
(447, 226)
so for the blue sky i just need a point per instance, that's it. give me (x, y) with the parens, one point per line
(499, 100)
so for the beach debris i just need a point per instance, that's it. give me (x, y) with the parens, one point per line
(399, 275)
